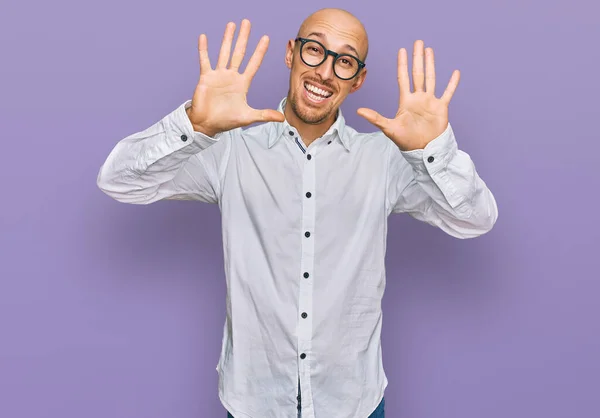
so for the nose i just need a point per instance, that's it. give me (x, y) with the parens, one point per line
(325, 70)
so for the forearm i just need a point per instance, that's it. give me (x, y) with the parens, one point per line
(141, 168)
(446, 190)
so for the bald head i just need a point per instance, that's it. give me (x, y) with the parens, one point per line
(339, 22)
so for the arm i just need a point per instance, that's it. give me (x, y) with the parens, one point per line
(439, 185)
(429, 177)
(165, 162)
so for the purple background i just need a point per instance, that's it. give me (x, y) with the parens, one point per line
(110, 310)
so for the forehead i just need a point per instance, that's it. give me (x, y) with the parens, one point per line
(340, 34)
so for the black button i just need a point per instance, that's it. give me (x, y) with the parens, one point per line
(430, 159)
(302, 356)
(183, 137)
(329, 142)
(308, 194)
(307, 234)
(304, 315)
(291, 132)
(309, 156)
(306, 275)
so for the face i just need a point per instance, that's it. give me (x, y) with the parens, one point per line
(316, 93)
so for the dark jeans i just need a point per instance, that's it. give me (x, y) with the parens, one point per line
(378, 413)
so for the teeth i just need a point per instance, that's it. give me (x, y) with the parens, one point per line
(315, 97)
(317, 90)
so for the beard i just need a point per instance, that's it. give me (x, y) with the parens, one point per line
(307, 114)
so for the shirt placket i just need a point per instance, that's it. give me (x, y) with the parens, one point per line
(305, 301)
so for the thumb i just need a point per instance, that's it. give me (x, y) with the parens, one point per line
(269, 115)
(373, 117)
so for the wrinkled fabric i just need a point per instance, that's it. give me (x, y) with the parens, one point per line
(304, 238)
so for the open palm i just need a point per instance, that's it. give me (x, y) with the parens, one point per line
(421, 117)
(220, 98)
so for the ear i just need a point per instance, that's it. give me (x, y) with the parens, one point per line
(359, 80)
(289, 53)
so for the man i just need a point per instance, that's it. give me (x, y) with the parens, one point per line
(304, 200)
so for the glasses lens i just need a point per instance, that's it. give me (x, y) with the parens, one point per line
(312, 53)
(346, 66)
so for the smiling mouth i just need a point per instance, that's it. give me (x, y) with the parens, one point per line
(315, 93)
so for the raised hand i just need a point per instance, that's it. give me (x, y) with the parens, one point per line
(219, 102)
(421, 116)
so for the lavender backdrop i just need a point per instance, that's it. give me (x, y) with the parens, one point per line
(109, 310)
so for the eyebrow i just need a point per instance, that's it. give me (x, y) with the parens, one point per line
(322, 36)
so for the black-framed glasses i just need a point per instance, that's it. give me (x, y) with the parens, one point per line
(313, 53)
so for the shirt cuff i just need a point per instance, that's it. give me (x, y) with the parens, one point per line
(431, 163)
(180, 128)
(436, 155)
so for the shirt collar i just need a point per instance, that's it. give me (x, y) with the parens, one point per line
(284, 127)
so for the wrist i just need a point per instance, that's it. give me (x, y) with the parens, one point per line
(198, 127)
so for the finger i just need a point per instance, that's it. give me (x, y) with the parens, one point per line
(418, 75)
(203, 52)
(403, 79)
(373, 117)
(226, 45)
(429, 71)
(240, 45)
(451, 88)
(257, 57)
(268, 115)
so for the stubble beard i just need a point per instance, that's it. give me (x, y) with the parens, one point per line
(308, 116)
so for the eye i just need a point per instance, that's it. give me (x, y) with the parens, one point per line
(346, 62)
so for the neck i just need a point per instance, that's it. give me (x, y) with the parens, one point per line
(308, 132)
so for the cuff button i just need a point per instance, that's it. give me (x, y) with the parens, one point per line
(183, 138)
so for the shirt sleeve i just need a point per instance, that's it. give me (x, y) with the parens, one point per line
(440, 185)
(168, 160)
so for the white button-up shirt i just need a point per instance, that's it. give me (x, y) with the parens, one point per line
(304, 239)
